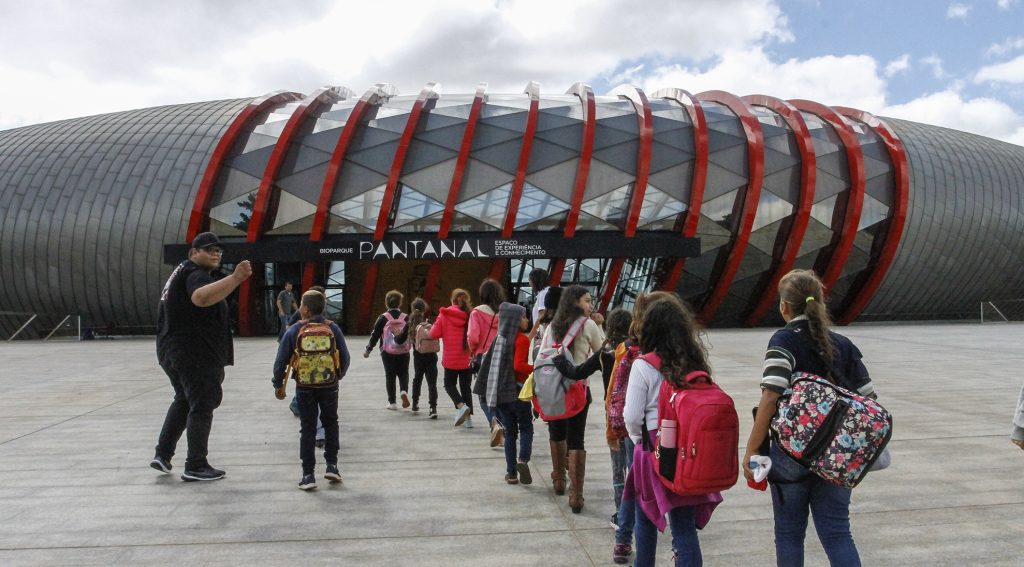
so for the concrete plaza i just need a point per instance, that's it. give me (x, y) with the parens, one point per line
(78, 422)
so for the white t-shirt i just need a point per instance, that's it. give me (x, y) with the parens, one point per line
(538, 304)
(641, 399)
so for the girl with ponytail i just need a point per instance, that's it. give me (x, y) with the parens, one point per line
(805, 344)
(452, 328)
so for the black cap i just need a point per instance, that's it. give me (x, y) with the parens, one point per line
(205, 239)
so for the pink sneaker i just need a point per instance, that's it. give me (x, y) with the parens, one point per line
(621, 553)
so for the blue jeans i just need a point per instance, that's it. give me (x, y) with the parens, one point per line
(685, 544)
(795, 491)
(488, 411)
(284, 325)
(627, 508)
(517, 417)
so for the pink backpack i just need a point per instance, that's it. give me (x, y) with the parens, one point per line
(704, 457)
(425, 343)
(392, 328)
(617, 399)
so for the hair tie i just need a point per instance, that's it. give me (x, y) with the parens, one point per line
(809, 299)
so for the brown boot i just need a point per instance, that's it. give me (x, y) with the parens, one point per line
(558, 459)
(577, 470)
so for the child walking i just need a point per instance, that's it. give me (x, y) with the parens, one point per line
(451, 327)
(314, 349)
(392, 330)
(424, 356)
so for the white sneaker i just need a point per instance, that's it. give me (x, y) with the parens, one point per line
(468, 423)
(461, 415)
(391, 407)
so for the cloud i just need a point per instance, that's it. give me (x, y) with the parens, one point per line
(113, 55)
(935, 62)
(1009, 72)
(1009, 45)
(898, 65)
(957, 10)
(1005, 4)
(982, 115)
(850, 80)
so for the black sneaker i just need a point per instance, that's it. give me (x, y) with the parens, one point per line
(204, 473)
(415, 407)
(433, 413)
(161, 464)
(308, 482)
(332, 474)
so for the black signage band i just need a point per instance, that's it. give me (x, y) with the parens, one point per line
(479, 245)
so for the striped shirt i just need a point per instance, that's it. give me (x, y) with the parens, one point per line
(792, 350)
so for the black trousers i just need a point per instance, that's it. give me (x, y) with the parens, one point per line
(395, 366)
(317, 405)
(197, 392)
(462, 395)
(571, 430)
(424, 365)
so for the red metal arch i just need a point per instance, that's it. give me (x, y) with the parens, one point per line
(901, 174)
(533, 91)
(747, 203)
(434, 274)
(808, 173)
(200, 218)
(429, 93)
(645, 122)
(264, 195)
(855, 160)
(586, 95)
(698, 181)
(371, 99)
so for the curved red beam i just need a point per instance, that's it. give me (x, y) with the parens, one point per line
(645, 124)
(533, 91)
(586, 96)
(200, 219)
(855, 160)
(901, 198)
(698, 181)
(765, 295)
(434, 274)
(316, 99)
(746, 204)
(386, 215)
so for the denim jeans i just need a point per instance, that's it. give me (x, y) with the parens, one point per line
(284, 325)
(627, 508)
(685, 544)
(197, 392)
(317, 405)
(795, 491)
(488, 410)
(517, 417)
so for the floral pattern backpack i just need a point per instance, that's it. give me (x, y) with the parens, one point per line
(837, 434)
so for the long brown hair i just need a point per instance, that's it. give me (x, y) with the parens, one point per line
(670, 330)
(568, 311)
(419, 313)
(461, 299)
(803, 292)
(643, 301)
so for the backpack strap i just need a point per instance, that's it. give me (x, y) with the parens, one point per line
(389, 317)
(696, 375)
(651, 358)
(573, 332)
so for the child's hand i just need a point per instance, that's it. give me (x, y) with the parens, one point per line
(279, 392)
(366, 353)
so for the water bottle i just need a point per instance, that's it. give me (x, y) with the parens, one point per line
(667, 450)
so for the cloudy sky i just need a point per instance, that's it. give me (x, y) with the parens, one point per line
(958, 64)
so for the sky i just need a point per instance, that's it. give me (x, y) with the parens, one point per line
(958, 64)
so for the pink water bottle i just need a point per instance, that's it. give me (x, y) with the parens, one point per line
(668, 433)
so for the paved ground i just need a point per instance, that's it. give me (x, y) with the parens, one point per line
(78, 422)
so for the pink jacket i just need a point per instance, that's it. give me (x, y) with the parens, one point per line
(449, 328)
(483, 329)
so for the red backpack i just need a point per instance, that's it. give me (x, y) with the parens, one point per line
(704, 458)
(617, 399)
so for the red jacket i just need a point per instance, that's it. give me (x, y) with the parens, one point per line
(483, 329)
(450, 328)
(521, 358)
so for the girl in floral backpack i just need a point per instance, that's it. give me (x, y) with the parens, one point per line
(805, 344)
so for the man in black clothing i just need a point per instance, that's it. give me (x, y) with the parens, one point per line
(193, 345)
